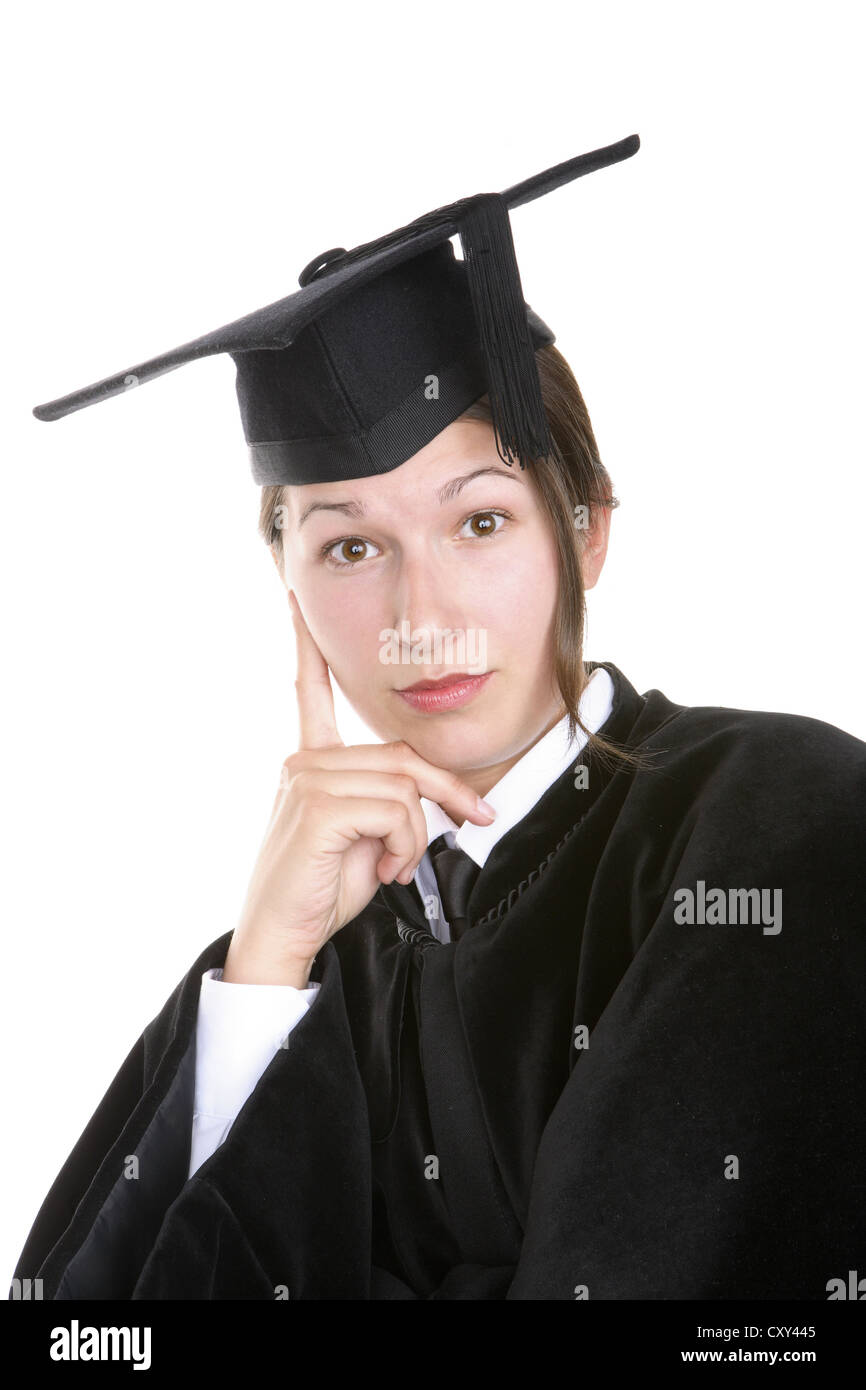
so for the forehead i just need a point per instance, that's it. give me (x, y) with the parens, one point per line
(462, 448)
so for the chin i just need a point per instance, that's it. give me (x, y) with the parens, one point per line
(443, 742)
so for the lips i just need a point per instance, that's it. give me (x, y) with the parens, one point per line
(441, 696)
(455, 678)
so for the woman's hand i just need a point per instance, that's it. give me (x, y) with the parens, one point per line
(344, 821)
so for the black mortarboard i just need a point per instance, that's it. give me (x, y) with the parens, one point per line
(385, 345)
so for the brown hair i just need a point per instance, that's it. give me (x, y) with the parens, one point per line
(572, 477)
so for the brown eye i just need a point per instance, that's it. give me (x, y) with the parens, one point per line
(352, 550)
(484, 523)
(349, 552)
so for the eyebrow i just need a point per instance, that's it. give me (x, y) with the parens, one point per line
(446, 493)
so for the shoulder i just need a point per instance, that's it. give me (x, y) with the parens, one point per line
(754, 783)
(756, 744)
(747, 807)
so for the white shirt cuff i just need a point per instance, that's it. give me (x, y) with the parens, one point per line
(238, 1031)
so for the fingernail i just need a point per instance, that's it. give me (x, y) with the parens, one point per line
(486, 809)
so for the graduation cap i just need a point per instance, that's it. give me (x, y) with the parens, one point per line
(385, 345)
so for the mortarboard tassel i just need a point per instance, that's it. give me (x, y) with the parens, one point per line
(519, 417)
(517, 407)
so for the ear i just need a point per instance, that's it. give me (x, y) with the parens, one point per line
(594, 549)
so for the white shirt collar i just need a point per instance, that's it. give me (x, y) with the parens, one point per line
(525, 783)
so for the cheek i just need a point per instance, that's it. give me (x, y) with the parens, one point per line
(520, 600)
(346, 634)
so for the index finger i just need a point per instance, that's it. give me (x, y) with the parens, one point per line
(316, 718)
(438, 784)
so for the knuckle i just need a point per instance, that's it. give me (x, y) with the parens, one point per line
(316, 800)
(288, 773)
(398, 750)
(304, 785)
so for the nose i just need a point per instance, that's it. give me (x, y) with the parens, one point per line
(424, 597)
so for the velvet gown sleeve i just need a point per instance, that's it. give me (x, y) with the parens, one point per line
(122, 1221)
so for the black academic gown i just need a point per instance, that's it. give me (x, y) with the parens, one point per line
(432, 1130)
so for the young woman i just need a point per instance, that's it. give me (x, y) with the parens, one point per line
(552, 994)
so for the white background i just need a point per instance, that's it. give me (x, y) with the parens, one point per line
(170, 167)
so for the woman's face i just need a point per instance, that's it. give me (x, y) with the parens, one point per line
(453, 541)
